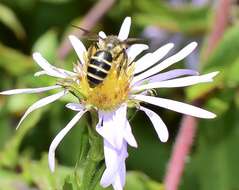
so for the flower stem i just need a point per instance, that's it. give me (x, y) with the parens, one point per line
(93, 164)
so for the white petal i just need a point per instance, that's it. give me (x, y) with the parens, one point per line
(114, 160)
(167, 75)
(117, 185)
(50, 70)
(59, 137)
(176, 106)
(120, 178)
(113, 126)
(135, 50)
(125, 28)
(112, 164)
(167, 62)
(39, 73)
(102, 35)
(29, 90)
(179, 82)
(75, 106)
(158, 124)
(129, 137)
(78, 47)
(151, 58)
(40, 103)
(64, 72)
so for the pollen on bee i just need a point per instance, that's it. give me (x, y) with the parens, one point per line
(112, 92)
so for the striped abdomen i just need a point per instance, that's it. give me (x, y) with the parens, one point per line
(98, 68)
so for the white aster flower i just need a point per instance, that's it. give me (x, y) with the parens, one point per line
(117, 92)
(113, 125)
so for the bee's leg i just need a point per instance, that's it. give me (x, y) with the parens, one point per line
(91, 51)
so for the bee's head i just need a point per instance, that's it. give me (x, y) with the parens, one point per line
(111, 42)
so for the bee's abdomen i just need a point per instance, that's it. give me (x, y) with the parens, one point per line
(98, 68)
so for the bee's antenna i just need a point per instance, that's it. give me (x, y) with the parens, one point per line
(84, 30)
(87, 32)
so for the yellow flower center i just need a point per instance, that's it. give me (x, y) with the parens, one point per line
(106, 96)
(112, 92)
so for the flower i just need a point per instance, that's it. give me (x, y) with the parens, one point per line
(141, 77)
(117, 92)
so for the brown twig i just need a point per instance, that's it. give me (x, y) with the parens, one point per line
(88, 22)
(188, 127)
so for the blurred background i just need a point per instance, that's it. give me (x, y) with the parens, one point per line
(43, 25)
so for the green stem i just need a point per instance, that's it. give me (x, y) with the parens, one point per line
(93, 167)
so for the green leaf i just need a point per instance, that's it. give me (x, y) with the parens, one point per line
(9, 156)
(139, 181)
(225, 58)
(40, 174)
(8, 17)
(226, 52)
(47, 45)
(186, 19)
(14, 62)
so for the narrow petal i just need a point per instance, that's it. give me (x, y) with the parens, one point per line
(40, 103)
(129, 137)
(75, 106)
(135, 50)
(158, 124)
(125, 28)
(102, 35)
(120, 178)
(78, 47)
(167, 75)
(117, 185)
(176, 106)
(114, 160)
(65, 72)
(29, 90)
(151, 58)
(40, 73)
(167, 62)
(50, 69)
(112, 164)
(59, 137)
(113, 126)
(179, 82)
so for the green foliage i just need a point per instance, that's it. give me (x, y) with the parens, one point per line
(189, 20)
(47, 45)
(14, 62)
(8, 17)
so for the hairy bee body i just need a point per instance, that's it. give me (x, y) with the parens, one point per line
(102, 56)
(99, 66)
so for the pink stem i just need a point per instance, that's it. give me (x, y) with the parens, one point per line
(181, 149)
(220, 24)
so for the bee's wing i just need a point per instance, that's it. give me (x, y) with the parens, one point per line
(130, 41)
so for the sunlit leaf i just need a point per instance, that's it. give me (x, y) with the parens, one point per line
(185, 19)
(14, 62)
(47, 45)
(8, 17)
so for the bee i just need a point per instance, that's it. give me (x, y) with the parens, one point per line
(101, 57)
(103, 53)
